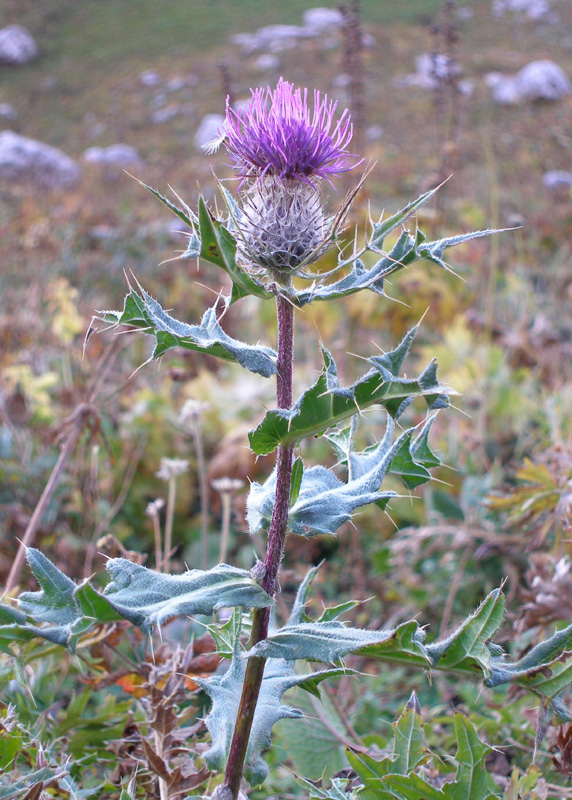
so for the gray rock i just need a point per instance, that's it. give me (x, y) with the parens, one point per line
(8, 112)
(165, 114)
(557, 179)
(373, 132)
(116, 155)
(533, 9)
(27, 160)
(17, 45)
(267, 61)
(539, 80)
(278, 38)
(149, 78)
(432, 71)
(322, 20)
(208, 129)
(176, 84)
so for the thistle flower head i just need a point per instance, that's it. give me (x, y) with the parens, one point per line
(277, 135)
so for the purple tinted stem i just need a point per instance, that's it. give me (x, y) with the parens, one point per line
(274, 553)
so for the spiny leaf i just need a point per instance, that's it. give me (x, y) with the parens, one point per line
(330, 641)
(413, 787)
(326, 404)
(225, 693)
(471, 780)
(404, 252)
(408, 746)
(296, 480)
(297, 613)
(324, 502)
(433, 251)
(336, 790)
(187, 216)
(361, 277)
(142, 311)
(333, 612)
(9, 615)
(148, 598)
(383, 227)
(218, 247)
(225, 635)
(467, 648)
(54, 603)
(144, 597)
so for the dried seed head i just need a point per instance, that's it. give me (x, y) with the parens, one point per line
(172, 468)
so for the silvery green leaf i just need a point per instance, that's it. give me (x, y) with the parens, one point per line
(186, 215)
(55, 601)
(225, 693)
(324, 502)
(361, 277)
(225, 635)
(297, 614)
(9, 615)
(326, 404)
(65, 611)
(40, 779)
(148, 598)
(142, 311)
(546, 670)
(336, 790)
(433, 251)
(468, 648)
(193, 249)
(383, 227)
(331, 641)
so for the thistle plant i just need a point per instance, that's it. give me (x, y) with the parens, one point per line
(284, 148)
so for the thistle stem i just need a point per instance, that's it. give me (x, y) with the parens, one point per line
(274, 554)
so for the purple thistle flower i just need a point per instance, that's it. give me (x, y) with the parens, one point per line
(276, 135)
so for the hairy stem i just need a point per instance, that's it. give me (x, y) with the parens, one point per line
(274, 554)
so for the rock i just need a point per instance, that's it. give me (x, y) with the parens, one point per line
(543, 80)
(116, 155)
(539, 80)
(17, 45)
(432, 71)
(149, 78)
(165, 114)
(373, 132)
(533, 9)
(557, 179)
(27, 160)
(277, 38)
(272, 38)
(267, 61)
(322, 20)
(8, 112)
(341, 81)
(208, 129)
(466, 87)
(505, 92)
(175, 84)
